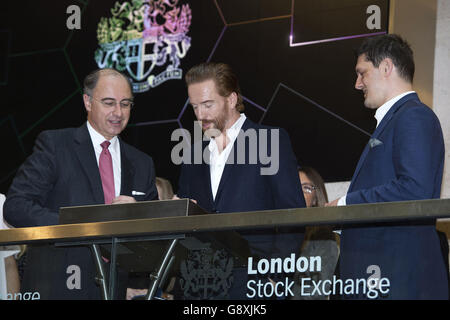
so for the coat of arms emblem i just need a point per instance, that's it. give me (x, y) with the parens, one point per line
(144, 37)
(206, 274)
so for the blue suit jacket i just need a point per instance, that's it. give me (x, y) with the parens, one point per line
(403, 161)
(62, 171)
(243, 188)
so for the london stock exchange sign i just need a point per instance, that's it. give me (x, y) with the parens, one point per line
(145, 39)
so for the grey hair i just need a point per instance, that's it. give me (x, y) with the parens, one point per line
(90, 82)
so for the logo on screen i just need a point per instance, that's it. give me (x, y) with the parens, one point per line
(206, 274)
(146, 39)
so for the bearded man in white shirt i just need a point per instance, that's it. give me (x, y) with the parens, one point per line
(233, 174)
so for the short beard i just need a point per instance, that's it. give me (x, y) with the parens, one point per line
(216, 129)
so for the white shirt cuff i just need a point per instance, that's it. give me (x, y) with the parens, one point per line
(342, 201)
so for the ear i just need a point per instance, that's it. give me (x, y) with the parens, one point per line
(232, 100)
(386, 67)
(87, 102)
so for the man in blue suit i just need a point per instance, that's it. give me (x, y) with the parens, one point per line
(65, 169)
(234, 173)
(403, 161)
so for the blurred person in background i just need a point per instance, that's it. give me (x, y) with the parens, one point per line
(319, 241)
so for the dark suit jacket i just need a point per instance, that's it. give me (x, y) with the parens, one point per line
(403, 161)
(63, 171)
(243, 188)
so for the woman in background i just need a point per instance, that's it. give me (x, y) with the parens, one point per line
(319, 241)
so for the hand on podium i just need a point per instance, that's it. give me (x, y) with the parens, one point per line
(175, 197)
(123, 199)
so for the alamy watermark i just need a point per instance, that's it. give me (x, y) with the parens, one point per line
(74, 20)
(374, 20)
(74, 280)
(251, 147)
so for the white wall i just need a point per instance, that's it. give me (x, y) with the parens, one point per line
(336, 189)
(441, 83)
(441, 94)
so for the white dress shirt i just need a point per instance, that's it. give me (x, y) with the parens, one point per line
(5, 252)
(379, 115)
(114, 149)
(218, 160)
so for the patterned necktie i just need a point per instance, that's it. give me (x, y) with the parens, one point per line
(106, 172)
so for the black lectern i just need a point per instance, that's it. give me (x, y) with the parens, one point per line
(155, 254)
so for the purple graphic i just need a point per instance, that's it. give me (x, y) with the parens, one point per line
(307, 43)
(163, 17)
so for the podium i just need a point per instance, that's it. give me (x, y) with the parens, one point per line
(151, 235)
(154, 254)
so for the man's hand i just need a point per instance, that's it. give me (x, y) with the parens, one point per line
(332, 203)
(175, 197)
(123, 199)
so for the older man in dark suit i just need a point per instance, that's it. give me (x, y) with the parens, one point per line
(78, 166)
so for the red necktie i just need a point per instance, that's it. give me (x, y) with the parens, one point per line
(106, 172)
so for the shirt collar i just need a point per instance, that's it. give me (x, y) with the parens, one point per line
(98, 139)
(384, 109)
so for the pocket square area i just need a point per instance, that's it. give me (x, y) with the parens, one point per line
(374, 142)
(137, 193)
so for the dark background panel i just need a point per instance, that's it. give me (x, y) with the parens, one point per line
(309, 90)
(37, 83)
(236, 11)
(324, 19)
(319, 138)
(14, 153)
(155, 140)
(37, 25)
(4, 51)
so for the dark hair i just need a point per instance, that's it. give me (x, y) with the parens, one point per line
(90, 82)
(390, 46)
(223, 76)
(317, 180)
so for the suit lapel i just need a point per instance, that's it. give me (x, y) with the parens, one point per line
(386, 119)
(84, 150)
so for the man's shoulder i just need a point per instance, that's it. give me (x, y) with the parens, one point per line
(249, 125)
(56, 132)
(414, 108)
(57, 135)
